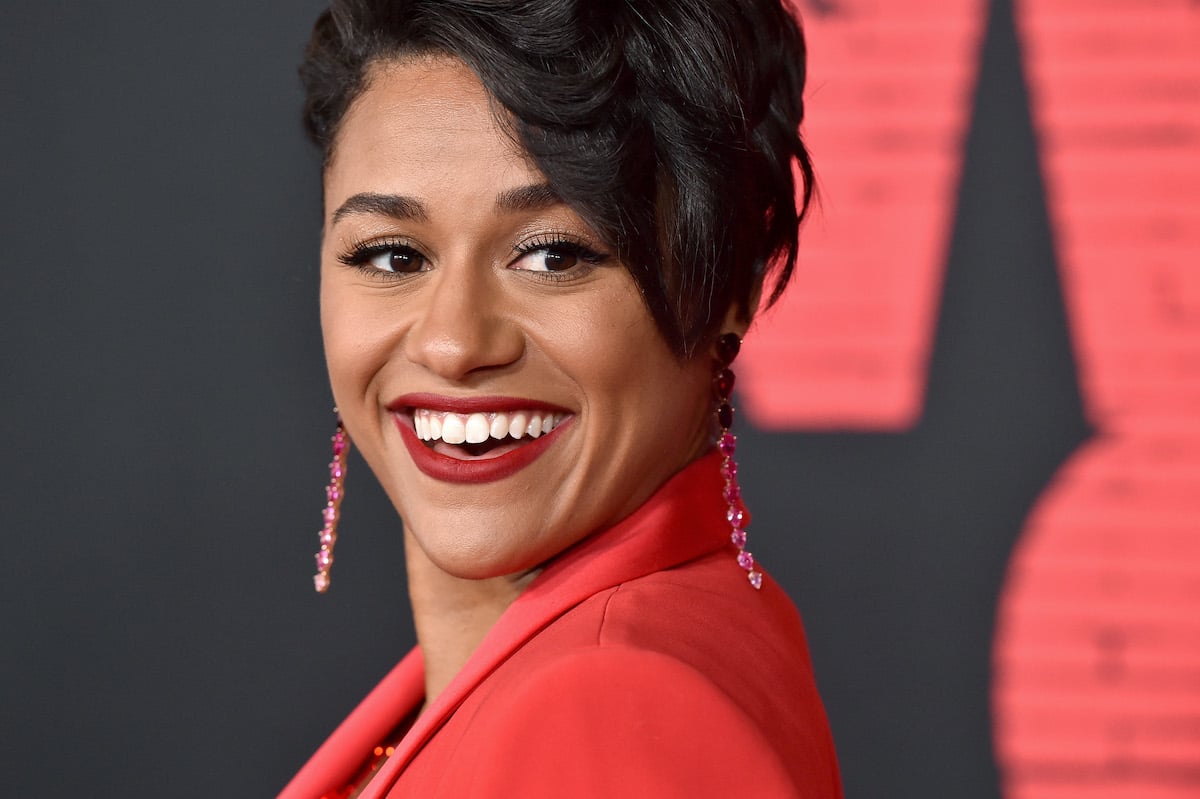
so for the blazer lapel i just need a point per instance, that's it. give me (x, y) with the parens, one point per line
(335, 762)
(682, 521)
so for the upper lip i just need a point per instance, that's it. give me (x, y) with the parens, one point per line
(440, 402)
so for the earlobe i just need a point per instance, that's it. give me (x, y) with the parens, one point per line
(736, 323)
(755, 301)
(739, 316)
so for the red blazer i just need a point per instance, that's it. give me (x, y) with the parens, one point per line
(641, 662)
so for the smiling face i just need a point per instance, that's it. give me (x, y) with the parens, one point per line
(494, 363)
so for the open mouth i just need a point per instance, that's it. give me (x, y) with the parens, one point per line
(482, 435)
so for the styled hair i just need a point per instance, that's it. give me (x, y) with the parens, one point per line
(670, 126)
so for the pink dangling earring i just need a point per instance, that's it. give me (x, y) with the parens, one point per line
(333, 506)
(728, 346)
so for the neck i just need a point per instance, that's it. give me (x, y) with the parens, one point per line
(452, 615)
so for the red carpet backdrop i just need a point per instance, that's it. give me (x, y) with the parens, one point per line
(1097, 655)
(969, 434)
(891, 87)
(1096, 684)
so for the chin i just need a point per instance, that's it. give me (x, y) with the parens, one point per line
(467, 552)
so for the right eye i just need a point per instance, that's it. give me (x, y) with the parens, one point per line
(397, 259)
(386, 257)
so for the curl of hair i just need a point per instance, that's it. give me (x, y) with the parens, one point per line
(670, 126)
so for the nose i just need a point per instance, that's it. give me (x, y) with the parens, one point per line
(463, 325)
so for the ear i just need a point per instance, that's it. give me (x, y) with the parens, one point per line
(738, 317)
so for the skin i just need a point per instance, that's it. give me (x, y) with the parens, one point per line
(477, 318)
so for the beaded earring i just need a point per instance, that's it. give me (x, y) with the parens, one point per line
(333, 505)
(728, 346)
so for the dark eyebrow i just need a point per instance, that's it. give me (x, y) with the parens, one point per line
(534, 197)
(396, 206)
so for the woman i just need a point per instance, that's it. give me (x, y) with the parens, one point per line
(547, 224)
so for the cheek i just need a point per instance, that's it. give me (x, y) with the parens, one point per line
(612, 339)
(357, 343)
(633, 380)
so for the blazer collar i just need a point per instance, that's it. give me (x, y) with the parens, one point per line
(682, 521)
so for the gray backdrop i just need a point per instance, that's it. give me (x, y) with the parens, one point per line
(166, 422)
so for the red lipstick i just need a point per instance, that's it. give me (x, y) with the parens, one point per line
(476, 470)
(438, 402)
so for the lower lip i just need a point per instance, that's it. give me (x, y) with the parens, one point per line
(477, 470)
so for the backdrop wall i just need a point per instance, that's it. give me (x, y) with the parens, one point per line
(993, 358)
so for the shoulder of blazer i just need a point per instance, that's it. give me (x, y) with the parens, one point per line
(619, 721)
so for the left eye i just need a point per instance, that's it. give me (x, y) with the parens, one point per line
(549, 259)
(397, 259)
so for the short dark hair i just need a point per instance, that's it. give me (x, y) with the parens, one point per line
(670, 126)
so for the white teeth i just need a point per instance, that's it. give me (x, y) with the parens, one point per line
(477, 428)
(454, 430)
(516, 428)
(499, 428)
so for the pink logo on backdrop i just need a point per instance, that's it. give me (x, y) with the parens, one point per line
(1096, 679)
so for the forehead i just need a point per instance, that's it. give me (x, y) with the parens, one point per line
(422, 124)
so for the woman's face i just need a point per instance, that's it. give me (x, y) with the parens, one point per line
(462, 304)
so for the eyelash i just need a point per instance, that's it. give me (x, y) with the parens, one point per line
(564, 243)
(360, 254)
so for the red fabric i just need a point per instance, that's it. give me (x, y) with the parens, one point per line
(639, 663)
